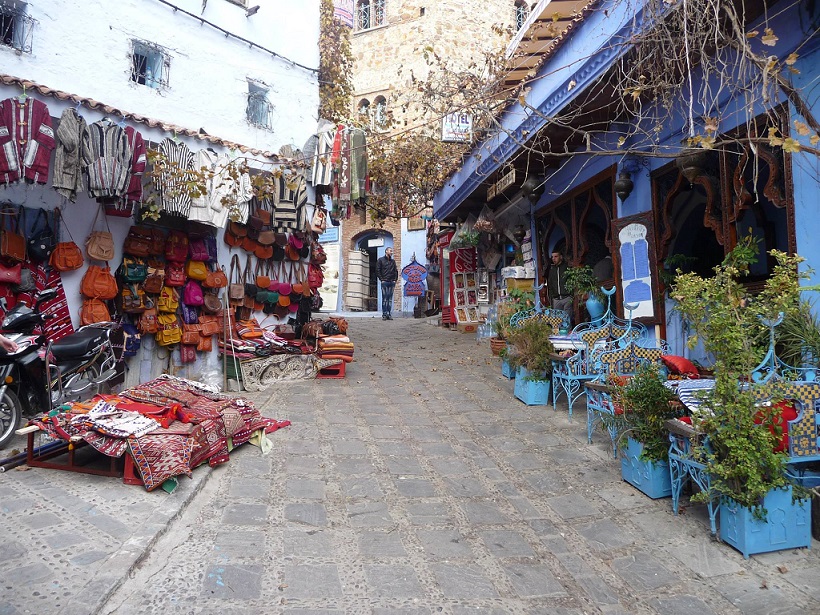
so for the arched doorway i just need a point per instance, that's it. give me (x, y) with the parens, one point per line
(371, 243)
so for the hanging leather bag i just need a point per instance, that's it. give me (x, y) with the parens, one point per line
(174, 274)
(192, 294)
(26, 284)
(11, 274)
(12, 243)
(148, 321)
(176, 247)
(156, 277)
(236, 290)
(42, 240)
(138, 241)
(262, 280)
(98, 283)
(249, 282)
(94, 311)
(100, 244)
(67, 255)
(215, 279)
(196, 270)
(211, 303)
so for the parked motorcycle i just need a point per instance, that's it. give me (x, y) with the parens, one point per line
(39, 375)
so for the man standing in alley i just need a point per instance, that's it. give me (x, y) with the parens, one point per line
(388, 273)
(560, 297)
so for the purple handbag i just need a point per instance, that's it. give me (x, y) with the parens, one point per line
(189, 314)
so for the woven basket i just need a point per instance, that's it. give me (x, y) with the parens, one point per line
(497, 345)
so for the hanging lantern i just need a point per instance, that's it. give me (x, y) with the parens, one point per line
(624, 185)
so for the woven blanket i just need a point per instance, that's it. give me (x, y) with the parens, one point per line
(160, 457)
(258, 374)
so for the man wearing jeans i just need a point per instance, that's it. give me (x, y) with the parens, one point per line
(560, 297)
(388, 273)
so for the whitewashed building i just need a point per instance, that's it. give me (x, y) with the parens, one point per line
(237, 76)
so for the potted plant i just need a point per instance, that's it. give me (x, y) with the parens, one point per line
(642, 409)
(532, 359)
(582, 283)
(740, 437)
(516, 301)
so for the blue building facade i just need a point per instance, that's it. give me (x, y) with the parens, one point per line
(655, 203)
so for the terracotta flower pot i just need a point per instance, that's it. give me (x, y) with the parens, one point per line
(497, 345)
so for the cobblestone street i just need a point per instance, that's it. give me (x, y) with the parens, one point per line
(418, 484)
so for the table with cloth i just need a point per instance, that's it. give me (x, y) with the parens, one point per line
(167, 426)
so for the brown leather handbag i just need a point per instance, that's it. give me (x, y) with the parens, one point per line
(100, 244)
(215, 279)
(93, 311)
(98, 283)
(236, 289)
(66, 255)
(12, 243)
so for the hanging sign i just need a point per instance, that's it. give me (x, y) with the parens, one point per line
(414, 275)
(457, 128)
(504, 182)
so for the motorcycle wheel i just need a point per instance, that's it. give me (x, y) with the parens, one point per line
(11, 412)
(91, 373)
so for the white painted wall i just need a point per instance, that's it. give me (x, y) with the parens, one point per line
(85, 48)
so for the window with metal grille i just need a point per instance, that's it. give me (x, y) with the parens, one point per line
(259, 109)
(380, 112)
(16, 27)
(150, 65)
(364, 109)
(369, 14)
(522, 11)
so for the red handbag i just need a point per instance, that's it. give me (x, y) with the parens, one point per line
(10, 274)
(174, 273)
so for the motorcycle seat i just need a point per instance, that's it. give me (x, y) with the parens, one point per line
(78, 344)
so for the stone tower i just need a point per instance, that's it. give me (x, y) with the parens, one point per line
(388, 42)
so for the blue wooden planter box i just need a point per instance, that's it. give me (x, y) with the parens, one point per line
(507, 370)
(652, 478)
(787, 524)
(531, 392)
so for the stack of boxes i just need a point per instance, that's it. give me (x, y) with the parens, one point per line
(358, 281)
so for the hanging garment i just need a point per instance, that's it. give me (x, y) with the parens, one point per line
(133, 193)
(215, 189)
(318, 156)
(358, 164)
(174, 196)
(107, 160)
(291, 197)
(26, 140)
(68, 176)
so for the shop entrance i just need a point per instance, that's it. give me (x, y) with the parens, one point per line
(373, 244)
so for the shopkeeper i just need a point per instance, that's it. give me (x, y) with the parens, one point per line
(560, 297)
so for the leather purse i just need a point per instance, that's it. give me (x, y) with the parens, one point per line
(10, 274)
(249, 282)
(100, 244)
(67, 255)
(215, 279)
(42, 241)
(12, 243)
(138, 242)
(196, 270)
(94, 311)
(26, 284)
(211, 303)
(262, 280)
(174, 274)
(236, 290)
(98, 283)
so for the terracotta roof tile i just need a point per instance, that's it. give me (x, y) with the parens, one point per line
(135, 117)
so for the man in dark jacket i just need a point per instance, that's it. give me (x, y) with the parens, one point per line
(388, 273)
(560, 297)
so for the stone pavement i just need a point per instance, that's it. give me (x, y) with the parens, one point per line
(416, 485)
